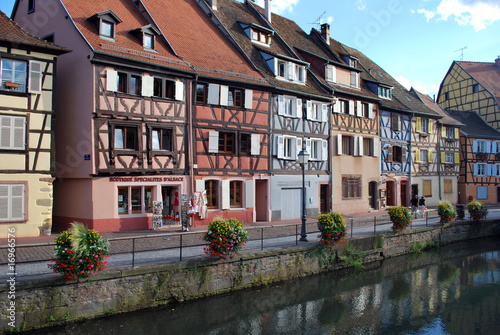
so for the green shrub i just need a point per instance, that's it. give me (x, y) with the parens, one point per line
(224, 237)
(477, 210)
(332, 228)
(79, 252)
(400, 217)
(446, 212)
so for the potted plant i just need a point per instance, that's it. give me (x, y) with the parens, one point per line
(224, 238)
(9, 84)
(477, 210)
(332, 228)
(400, 217)
(446, 212)
(482, 156)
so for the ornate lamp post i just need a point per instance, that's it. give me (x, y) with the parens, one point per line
(303, 158)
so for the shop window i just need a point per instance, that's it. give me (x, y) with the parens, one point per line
(212, 188)
(135, 199)
(235, 190)
(161, 139)
(351, 187)
(201, 93)
(12, 202)
(226, 143)
(122, 200)
(125, 138)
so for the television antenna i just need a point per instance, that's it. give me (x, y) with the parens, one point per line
(318, 20)
(461, 53)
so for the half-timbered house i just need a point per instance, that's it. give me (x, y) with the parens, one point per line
(447, 157)
(26, 130)
(473, 86)
(479, 159)
(298, 109)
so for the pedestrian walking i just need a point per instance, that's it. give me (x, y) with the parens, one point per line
(421, 205)
(414, 205)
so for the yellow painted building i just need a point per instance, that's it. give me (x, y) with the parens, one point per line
(26, 136)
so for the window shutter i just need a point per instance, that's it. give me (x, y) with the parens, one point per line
(255, 144)
(336, 107)
(111, 80)
(476, 170)
(308, 147)
(389, 153)
(324, 150)
(376, 147)
(403, 154)
(147, 86)
(488, 169)
(249, 193)
(359, 110)
(494, 147)
(356, 145)
(417, 155)
(443, 157)
(298, 109)
(488, 147)
(280, 146)
(4, 202)
(457, 157)
(360, 144)
(225, 194)
(429, 158)
(248, 99)
(179, 90)
(418, 127)
(19, 132)
(291, 70)
(370, 111)
(351, 107)
(35, 78)
(334, 73)
(200, 185)
(5, 131)
(213, 142)
(224, 95)
(281, 105)
(213, 94)
(494, 170)
(17, 202)
(474, 146)
(457, 133)
(443, 132)
(339, 144)
(324, 112)
(298, 147)
(309, 110)
(430, 127)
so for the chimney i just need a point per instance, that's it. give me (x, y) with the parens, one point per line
(213, 4)
(268, 10)
(325, 32)
(497, 62)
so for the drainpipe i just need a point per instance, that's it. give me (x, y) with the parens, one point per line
(190, 141)
(334, 101)
(439, 159)
(411, 162)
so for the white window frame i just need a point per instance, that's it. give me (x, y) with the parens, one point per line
(8, 200)
(330, 73)
(449, 158)
(11, 131)
(22, 86)
(424, 156)
(481, 169)
(289, 147)
(289, 106)
(481, 146)
(385, 92)
(424, 125)
(354, 77)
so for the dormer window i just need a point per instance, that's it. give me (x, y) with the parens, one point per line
(385, 92)
(147, 36)
(258, 34)
(105, 23)
(286, 68)
(353, 62)
(330, 73)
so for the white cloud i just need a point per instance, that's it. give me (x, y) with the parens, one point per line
(477, 13)
(329, 19)
(279, 6)
(424, 88)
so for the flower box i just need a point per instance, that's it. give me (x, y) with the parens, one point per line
(482, 156)
(9, 84)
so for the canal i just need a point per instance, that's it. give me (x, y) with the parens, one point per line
(453, 290)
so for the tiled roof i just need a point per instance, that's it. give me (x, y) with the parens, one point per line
(429, 102)
(488, 74)
(196, 39)
(474, 125)
(232, 14)
(125, 44)
(12, 33)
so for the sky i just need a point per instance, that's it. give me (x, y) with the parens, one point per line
(415, 41)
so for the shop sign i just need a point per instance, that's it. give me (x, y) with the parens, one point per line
(144, 179)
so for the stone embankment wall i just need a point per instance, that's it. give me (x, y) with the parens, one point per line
(45, 302)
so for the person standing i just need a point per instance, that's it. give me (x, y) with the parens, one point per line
(414, 204)
(421, 205)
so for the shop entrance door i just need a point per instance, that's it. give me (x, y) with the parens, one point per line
(170, 198)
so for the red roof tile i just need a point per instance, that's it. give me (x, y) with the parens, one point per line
(487, 74)
(429, 102)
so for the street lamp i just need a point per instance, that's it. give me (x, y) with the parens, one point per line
(303, 158)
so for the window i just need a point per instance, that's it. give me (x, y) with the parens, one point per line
(424, 125)
(148, 41)
(365, 110)
(384, 92)
(245, 144)
(424, 156)
(354, 79)
(31, 6)
(135, 199)
(290, 106)
(330, 73)
(344, 106)
(299, 73)
(427, 188)
(448, 185)
(135, 85)
(347, 145)
(496, 169)
(482, 192)
(282, 68)
(235, 190)
(447, 96)
(352, 62)
(395, 122)
(163, 88)
(351, 187)
(481, 146)
(367, 146)
(226, 143)
(397, 154)
(450, 132)
(212, 188)
(289, 147)
(107, 29)
(161, 139)
(262, 37)
(201, 93)
(158, 87)
(316, 111)
(14, 74)
(316, 153)
(235, 97)
(449, 158)
(12, 202)
(12, 132)
(481, 169)
(475, 88)
(126, 138)
(122, 82)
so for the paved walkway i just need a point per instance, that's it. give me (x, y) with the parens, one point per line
(162, 246)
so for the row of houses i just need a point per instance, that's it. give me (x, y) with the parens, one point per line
(201, 108)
